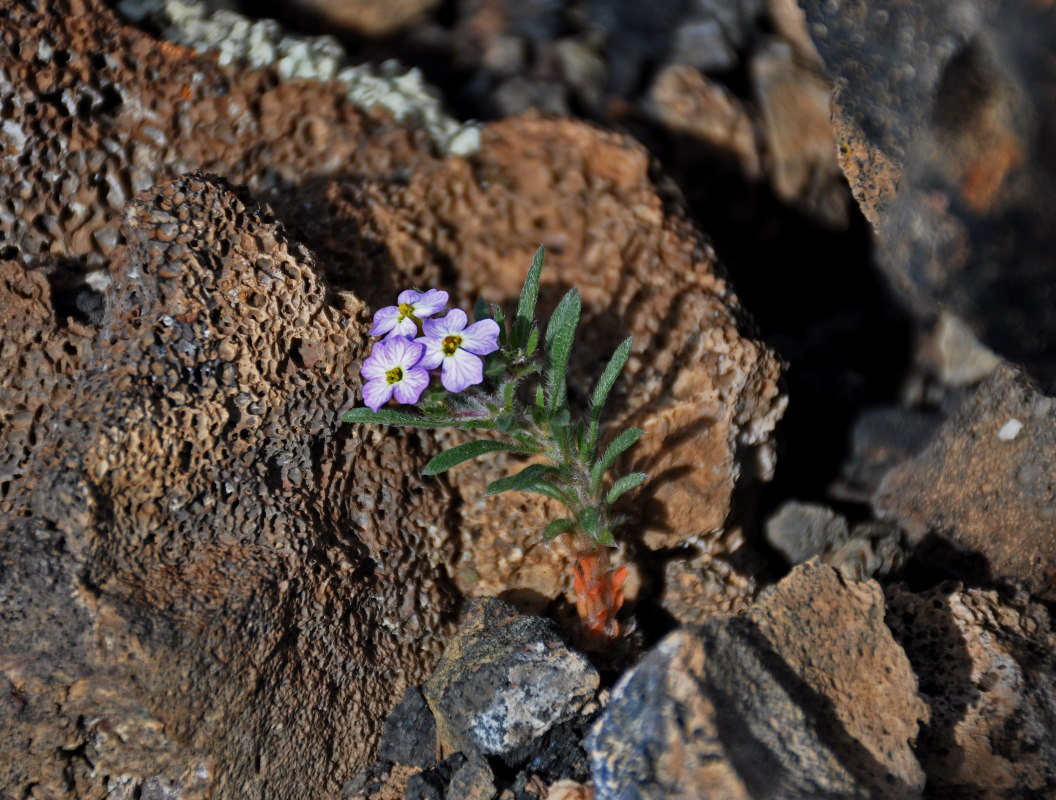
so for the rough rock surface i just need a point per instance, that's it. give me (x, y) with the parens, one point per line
(991, 468)
(987, 671)
(198, 530)
(504, 680)
(943, 115)
(409, 735)
(806, 695)
(800, 530)
(706, 395)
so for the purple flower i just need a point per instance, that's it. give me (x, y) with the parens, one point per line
(404, 319)
(394, 368)
(449, 342)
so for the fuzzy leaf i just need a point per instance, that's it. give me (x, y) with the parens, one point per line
(558, 343)
(523, 481)
(556, 528)
(605, 384)
(505, 422)
(387, 416)
(481, 310)
(588, 518)
(625, 484)
(533, 342)
(464, 452)
(522, 324)
(604, 538)
(612, 452)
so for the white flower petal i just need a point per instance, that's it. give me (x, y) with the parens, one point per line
(461, 371)
(405, 353)
(385, 320)
(408, 296)
(411, 387)
(433, 355)
(432, 302)
(481, 337)
(451, 323)
(377, 393)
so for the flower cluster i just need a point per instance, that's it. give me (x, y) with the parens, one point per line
(508, 377)
(399, 364)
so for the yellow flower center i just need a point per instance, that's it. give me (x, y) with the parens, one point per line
(394, 375)
(406, 310)
(451, 344)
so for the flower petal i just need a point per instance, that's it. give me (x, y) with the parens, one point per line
(433, 354)
(385, 320)
(411, 387)
(405, 328)
(481, 337)
(408, 296)
(377, 393)
(451, 323)
(432, 302)
(404, 353)
(461, 371)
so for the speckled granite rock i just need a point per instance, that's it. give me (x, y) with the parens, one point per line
(806, 695)
(987, 670)
(991, 468)
(505, 680)
(198, 528)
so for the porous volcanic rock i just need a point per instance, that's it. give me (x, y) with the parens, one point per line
(199, 532)
(705, 393)
(943, 116)
(987, 484)
(806, 695)
(96, 111)
(988, 674)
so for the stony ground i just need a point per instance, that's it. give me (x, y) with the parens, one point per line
(827, 232)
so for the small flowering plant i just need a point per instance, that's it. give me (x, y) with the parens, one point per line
(485, 369)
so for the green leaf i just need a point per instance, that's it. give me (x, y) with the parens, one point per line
(529, 294)
(556, 528)
(387, 416)
(558, 343)
(548, 489)
(481, 310)
(500, 319)
(605, 384)
(522, 481)
(604, 538)
(505, 422)
(588, 519)
(625, 484)
(562, 418)
(533, 342)
(464, 452)
(540, 401)
(612, 452)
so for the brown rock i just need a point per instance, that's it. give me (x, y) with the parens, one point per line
(366, 17)
(988, 674)
(794, 101)
(990, 470)
(199, 533)
(809, 683)
(684, 101)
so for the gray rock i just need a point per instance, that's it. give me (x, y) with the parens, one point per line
(474, 780)
(702, 44)
(505, 680)
(805, 696)
(431, 784)
(799, 531)
(409, 735)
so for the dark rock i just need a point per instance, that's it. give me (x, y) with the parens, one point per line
(702, 44)
(807, 695)
(474, 780)
(987, 671)
(943, 115)
(987, 483)
(882, 438)
(799, 531)
(432, 784)
(505, 680)
(409, 735)
(875, 549)
(369, 781)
